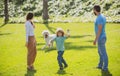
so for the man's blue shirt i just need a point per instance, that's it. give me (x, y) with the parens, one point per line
(100, 20)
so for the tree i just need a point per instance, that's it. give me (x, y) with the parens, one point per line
(6, 11)
(45, 10)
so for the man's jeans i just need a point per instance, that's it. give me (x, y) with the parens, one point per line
(60, 59)
(103, 62)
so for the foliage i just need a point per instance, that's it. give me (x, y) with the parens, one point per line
(64, 8)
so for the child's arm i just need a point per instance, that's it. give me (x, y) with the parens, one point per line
(51, 41)
(68, 33)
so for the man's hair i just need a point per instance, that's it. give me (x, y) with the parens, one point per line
(97, 8)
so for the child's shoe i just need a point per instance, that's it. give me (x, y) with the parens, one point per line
(61, 68)
(105, 69)
(65, 66)
(98, 67)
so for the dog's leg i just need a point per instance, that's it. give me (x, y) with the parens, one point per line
(52, 45)
(49, 46)
(44, 47)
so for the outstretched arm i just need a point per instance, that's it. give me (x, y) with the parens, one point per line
(51, 41)
(68, 33)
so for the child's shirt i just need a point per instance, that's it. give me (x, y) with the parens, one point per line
(60, 43)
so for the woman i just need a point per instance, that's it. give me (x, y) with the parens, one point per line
(30, 41)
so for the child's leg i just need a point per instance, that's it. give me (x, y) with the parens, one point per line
(59, 58)
(63, 60)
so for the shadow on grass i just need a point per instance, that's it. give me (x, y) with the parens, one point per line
(30, 73)
(105, 73)
(2, 25)
(40, 37)
(51, 29)
(46, 50)
(90, 41)
(69, 46)
(61, 72)
(1, 34)
(78, 36)
(40, 44)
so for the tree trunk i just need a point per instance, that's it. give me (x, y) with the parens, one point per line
(45, 10)
(6, 11)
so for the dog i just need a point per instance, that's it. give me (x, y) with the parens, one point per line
(47, 37)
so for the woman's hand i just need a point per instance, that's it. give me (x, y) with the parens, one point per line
(35, 42)
(26, 44)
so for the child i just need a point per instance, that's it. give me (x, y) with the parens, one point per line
(60, 38)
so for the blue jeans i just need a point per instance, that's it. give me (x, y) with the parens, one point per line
(103, 61)
(60, 59)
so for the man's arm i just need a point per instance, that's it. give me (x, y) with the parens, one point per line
(98, 34)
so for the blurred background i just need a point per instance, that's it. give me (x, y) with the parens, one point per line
(58, 10)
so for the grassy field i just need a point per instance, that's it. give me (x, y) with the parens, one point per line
(80, 54)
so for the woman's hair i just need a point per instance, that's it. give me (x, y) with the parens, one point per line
(29, 16)
(61, 31)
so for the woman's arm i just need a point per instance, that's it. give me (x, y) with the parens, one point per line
(27, 32)
(32, 24)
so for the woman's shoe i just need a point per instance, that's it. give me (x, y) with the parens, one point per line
(31, 68)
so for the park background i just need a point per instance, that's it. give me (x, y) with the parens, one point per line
(76, 15)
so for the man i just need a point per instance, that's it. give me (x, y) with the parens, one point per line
(100, 24)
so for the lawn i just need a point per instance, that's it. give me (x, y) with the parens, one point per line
(80, 54)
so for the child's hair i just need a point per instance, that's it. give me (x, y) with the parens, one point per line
(60, 31)
(29, 16)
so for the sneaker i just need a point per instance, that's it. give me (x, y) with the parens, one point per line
(65, 66)
(61, 68)
(99, 67)
(31, 68)
(105, 70)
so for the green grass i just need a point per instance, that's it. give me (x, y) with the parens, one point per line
(80, 53)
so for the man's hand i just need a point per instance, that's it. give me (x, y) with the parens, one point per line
(98, 34)
(95, 41)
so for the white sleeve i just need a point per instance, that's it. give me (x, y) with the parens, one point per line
(27, 31)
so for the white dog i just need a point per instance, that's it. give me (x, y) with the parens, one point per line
(48, 37)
